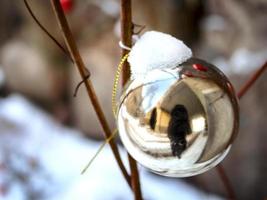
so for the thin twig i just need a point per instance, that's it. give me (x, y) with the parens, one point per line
(223, 176)
(69, 40)
(251, 81)
(126, 36)
(226, 182)
(141, 28)
(81, 82)
(46, 31)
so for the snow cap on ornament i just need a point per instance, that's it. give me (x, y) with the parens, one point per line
(156, 50)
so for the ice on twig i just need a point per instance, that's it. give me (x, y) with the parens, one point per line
(156, 50)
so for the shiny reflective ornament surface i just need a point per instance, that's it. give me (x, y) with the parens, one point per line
(179, 122)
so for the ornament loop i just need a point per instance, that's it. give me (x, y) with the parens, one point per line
(123, 46)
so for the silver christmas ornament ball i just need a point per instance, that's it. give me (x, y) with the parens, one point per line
(179, 122)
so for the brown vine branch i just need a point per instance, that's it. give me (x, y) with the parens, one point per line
(226, 182)
(135, 181)
(69, 40)
(222, 174)
(251, 81)
(126, 36)
(46, 31)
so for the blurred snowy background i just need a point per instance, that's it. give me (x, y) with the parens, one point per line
(41, 159)
(47, 136)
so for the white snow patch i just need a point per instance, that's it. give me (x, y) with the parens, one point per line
(61, 153)
(156, 50)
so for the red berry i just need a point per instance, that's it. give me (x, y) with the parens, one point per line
(67, 5)
(200, 67)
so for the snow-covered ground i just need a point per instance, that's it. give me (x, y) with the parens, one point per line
(41, 159)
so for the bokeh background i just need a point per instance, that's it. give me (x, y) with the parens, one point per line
(47, 136)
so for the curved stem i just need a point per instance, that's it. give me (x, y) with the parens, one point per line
(69, 40)
(46, 31)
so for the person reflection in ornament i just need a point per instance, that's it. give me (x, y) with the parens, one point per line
(178, 128)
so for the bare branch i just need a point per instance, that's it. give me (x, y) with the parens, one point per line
(69, 40)
(126, 35)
